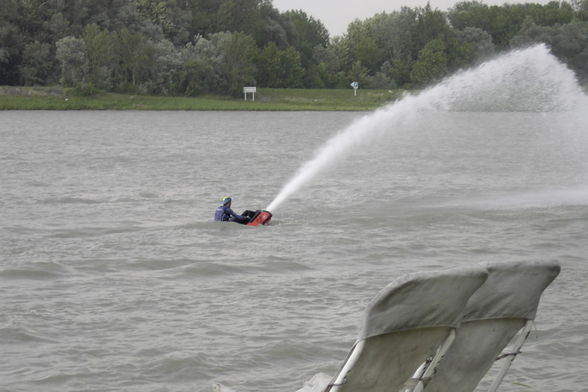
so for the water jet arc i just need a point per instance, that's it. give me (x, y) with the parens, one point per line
(530, 79)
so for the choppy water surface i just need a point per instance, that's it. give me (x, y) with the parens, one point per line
(113, 276)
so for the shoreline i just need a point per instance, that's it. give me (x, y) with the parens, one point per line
(266, 99)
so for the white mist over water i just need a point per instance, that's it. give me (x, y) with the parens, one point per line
(530, 79)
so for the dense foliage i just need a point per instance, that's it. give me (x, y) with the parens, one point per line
(191, 47)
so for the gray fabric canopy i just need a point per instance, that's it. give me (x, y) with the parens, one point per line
(512, 290)
(493, 316)
(421, 300)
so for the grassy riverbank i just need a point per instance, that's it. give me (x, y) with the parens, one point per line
(55, 98)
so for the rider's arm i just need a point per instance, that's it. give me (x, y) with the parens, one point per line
(230, 212)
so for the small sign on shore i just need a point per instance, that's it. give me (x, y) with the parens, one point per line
(250, 90)
(355, 86)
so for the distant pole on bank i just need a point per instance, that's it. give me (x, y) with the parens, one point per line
(250, 90)
(355, 86)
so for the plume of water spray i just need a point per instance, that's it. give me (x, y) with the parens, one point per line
(523, 80)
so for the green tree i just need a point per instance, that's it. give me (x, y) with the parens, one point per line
(237, 15)
(269, 66)
(237, 67)
(292, 70)
(57, 26)
(395, 34)
(358, 73)
(200, 15)
(401, 68)
(362, 45)
(71, 54)
(102, 59)
(580, 8)
(272, 26)
(431, 24)
(192, 77)
(383, 79)
(279, 68)
(156, 12)
(201, 69)
(135, 54)
(308, 34)
(330, 69)
(165, 72)
(504, 22)
(37, 63)
(11, 46)
(431, 63)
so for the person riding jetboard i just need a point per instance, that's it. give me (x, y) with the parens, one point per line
(224, 213)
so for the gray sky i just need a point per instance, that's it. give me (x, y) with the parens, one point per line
(336, 15)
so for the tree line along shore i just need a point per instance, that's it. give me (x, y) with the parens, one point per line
(207, 50)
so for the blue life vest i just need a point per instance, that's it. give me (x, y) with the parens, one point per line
(220, 215)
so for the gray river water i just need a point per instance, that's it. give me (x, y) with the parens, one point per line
(113, 276)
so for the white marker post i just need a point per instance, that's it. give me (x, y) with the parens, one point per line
(355, 86)
(252, 90)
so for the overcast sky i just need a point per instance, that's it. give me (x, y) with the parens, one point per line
(337, 14)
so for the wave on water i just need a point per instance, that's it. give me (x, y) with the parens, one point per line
(91, 232)
(536, 199)
(36, 271)
(530, 79)
(19, 335)
(70, 200)
(27, 274)
(120, 199)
